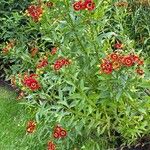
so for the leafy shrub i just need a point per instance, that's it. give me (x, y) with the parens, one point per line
(62, 63)
(12, 27)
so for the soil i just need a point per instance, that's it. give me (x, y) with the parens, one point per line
(142, 144)
(7, 85)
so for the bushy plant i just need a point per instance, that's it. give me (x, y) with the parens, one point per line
(76, 63)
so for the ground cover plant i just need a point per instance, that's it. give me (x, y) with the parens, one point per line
(84, 67)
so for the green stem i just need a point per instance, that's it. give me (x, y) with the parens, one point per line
(78, 39)
(70, 22)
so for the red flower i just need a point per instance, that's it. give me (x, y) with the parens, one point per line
(60, 63)
(57, 66)
(54, 50)
(35, 12)
(31, 125)
(42, 63)
(127, 61)
(63, 133)
(114, 57)
(115, 61)
(139, 71)
(107, 70)
(59, 132)
(51, 146)
(56, 135)
(106, 64)
(118, 45)
(89, 4)
(78, 5)
(34, 85)
(31, 82)
(107, 67)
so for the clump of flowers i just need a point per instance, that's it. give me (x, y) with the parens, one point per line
(31, 82)
(31, 125)
(59, 132)
(51, 146)
(42, 63)
(35, 12)
(60, 63)
(84, 5)
(115, 61)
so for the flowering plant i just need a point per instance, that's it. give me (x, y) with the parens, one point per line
(81, 70)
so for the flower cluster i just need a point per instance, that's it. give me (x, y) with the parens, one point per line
(31, 125)
(31, 82)
(60, 63)
(42, 63)
(51, 146)
(59, 132)
(87, 4)
(115, 61)
(35, 12)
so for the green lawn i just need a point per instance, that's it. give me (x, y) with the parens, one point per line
(13, 117)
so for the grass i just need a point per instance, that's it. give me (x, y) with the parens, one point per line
(13, 118)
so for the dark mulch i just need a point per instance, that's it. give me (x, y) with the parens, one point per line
(143, 144)
(8, 85)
